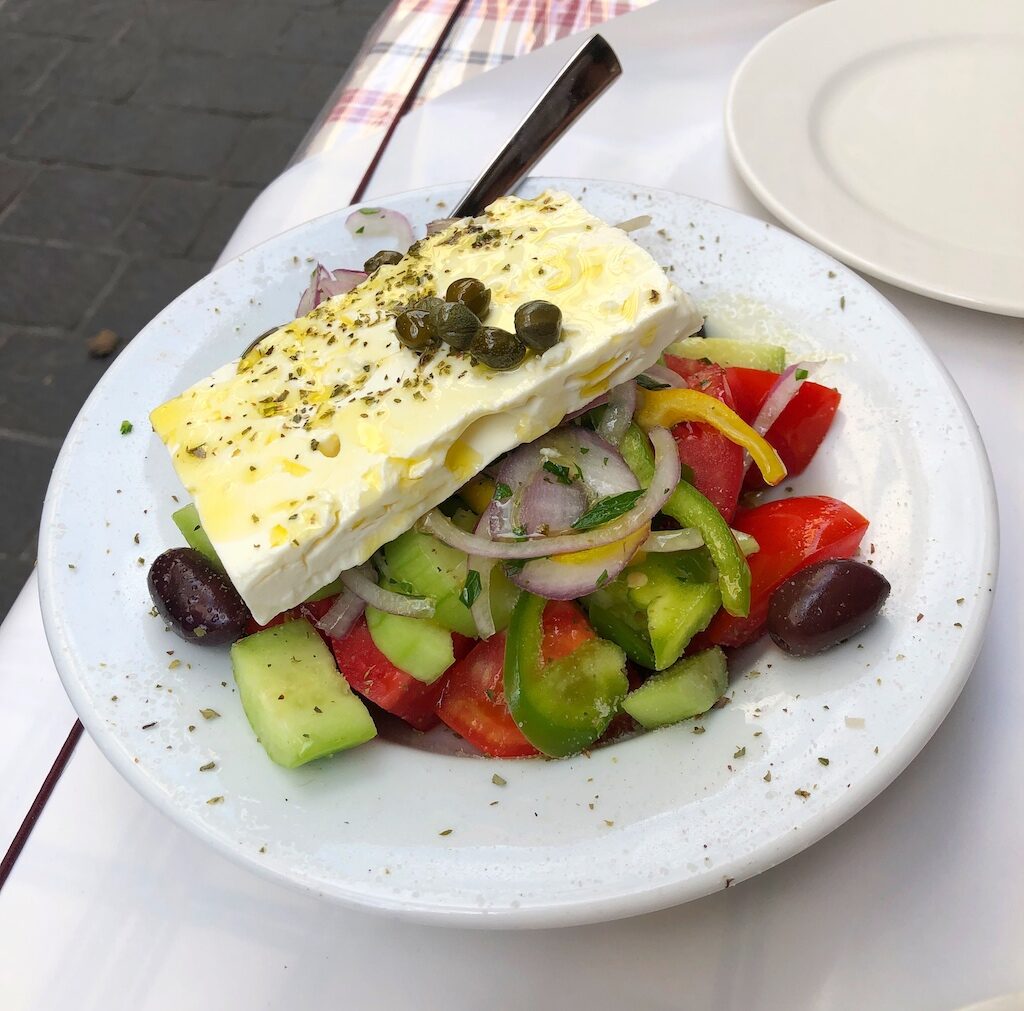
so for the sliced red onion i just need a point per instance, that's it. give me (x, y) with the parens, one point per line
(440, 224)
(664, 376)
(618, 415)
(325, 284)
(596, 467)
(344, 613)
(596, 402)
(786, 387)
(361, 582)
(561, 579)
(381, 221)
(549, 507)
(632, 224)
(663, 483)
(689, 538)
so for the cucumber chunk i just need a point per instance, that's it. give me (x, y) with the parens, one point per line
(688, 688)
(725, 352)
(298, 705)
(186, 519)
(417, 646)
(655, 607)
(419, 564)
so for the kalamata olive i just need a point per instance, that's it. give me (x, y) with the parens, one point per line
(539, 325)
(198, 602)
(497, 349)
(471, 293)
(415, 329)
(385, 256)
(824, 604)
(457, 325)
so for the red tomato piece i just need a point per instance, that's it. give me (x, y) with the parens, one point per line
(565, 629)
(473, 702)
(374, 676)
(798, 431)
(792, 534)
(716, 463)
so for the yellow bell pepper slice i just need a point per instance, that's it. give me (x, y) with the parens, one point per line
(666, 408)
(477, 493)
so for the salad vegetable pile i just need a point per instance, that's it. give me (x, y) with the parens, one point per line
(582, 587)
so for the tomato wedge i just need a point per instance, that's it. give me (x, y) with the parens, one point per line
(566, 628)
(716, 463)
(375, 677)
(799, 429)
(473, 702)
(792, 534)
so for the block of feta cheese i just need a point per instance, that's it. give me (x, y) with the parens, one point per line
(332, 438)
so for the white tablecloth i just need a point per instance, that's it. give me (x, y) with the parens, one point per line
(915, 903)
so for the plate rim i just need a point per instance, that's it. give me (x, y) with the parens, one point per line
(795, 221)
(603, 909)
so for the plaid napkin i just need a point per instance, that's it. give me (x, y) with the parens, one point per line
(485, 34)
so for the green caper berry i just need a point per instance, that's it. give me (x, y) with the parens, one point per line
(472, 294)
(431, 304)
(457, 325)
(497, 349)
(385, 256)
(415, 329)
(539, 325)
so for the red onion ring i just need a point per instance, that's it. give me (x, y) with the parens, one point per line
(665, 376)
(786, 387)
(618, 414)
(381, 221)
(364, 586)
(663, 483)
(344, 613)
(325, 284)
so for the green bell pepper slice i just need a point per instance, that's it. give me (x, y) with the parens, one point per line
(689, 508)
(562, 706)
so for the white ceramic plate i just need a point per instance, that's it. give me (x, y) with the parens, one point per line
(647, 823)
(889, 134)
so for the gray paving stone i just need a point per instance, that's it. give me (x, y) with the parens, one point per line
(263, 150)
(100, 70)
(85, 19)
(16, 116)
(50, 287)
(45, 382)
(309, 98)
(14, 176)
(220, 28)
(331, 36)
(20, 503)
(219, 225)
(73, 204)
(142, 291)
(26, 60)
(157, 140)
(256, 85)
(168, 217)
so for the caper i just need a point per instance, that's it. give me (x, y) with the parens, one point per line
(471, 293)
(415, 329)
(457, 325)
(431, 304)
(385, 256)
(497, 349)
(539, 325)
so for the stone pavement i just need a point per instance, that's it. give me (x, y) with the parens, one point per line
(133, 136)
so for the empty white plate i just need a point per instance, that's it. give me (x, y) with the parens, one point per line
(889, 133)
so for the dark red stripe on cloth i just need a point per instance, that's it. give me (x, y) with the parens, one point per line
(410, 98)
(36, 809)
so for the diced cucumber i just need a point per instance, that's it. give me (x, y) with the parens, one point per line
(297, 703)
(725, 352)
(417, 646)
(419, 564)
(688, 688)
(187, 521)
(655, 607)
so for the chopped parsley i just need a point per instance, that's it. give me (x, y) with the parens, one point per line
(502, 492)
(801, 374)
(126, 427)
(606, 509)
(650, 384)
(559, 470)
(471, 589)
